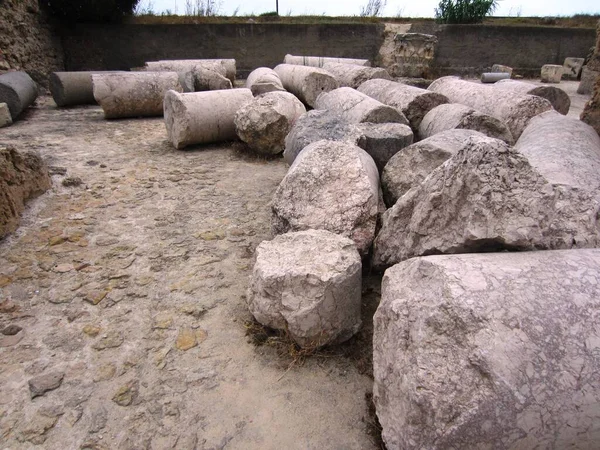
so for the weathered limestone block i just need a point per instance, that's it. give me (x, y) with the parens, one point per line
(332, 186)
(353, 75)
(263, 80)
(499, 68)
(225, 67)
(23, 176)
(588, 78)
(558, 98)
(381, 141)
(408, 168)
(133, 94)
(305, 82)
(492, 77)
(264, 122)
(5, 118)
(203, 117)
(210, 80)
(308, 284)
(591, 111)
(18, 91)
(412, 101)
(491, 197)
(515, 110)
(73, 88)
(355, 107)
(319, 61)
(489, 350)
(551, 73)
(187, 81)
(413, 55)
(454, 115)
(572, 68)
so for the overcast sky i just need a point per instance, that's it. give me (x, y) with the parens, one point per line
(404, 8)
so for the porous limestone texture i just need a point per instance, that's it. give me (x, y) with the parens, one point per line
(382, 140)
(499, 68)
(408, 168)
(489, 351)
(514, 109)
(572, 68)
(264, 122)
(133, 94)
(551, 73)
(225, 67)
(353, 75)
(18, 91)
(492, 77)
(320, 61)
(22, 176)
(332, 186)
(412, 101)
(203, 117)
(491, 197)
(263, 80)
(591, 111)
(5, 118)
(355, 107)
(588, 78)
(210, 80)
(558, 98)
(305, 82)
(308, 284)
(455, 116)
(72, 88)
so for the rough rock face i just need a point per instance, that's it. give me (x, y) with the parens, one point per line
(309, 284)
(591, 112)
(489, 197)
(408, 168)
(22, 176)
(456, 116)
(263, 80)
(383, 140)
(556, 96)
(489, 351)
(264, 122)
(551, 73)
(27, 41)
(353, 75)
(305, 82)
(332, 186)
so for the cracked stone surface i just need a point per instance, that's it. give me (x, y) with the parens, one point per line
(100, 279)
(490, 351)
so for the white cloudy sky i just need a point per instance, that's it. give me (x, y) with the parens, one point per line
(406, 8)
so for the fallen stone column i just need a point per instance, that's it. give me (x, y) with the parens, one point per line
(551, 73)
(5, 117)
(491, 197)
(356, 107)
(319, 61)
(203, 117)
(353, 75)
(73, 88)
(24, 176)
(588, 78)
(515, 110)
(187, 81)
(308, 284)
(210, 80)
(493, 77)
(558, 98)
(454, 115)
(332, 186)
(263, 80)
(470, 351)
(499, 68)
(412, 101)
(226, 67)
(264, 122)
(306, 83)
(591, 111)
(382, 140)
(18, 91)
(408, 168)
(133, 94)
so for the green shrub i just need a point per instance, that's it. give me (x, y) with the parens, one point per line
(464, 11)
(75, 11)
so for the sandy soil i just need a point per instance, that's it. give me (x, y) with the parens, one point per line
(130, 292)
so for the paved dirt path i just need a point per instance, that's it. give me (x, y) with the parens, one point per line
(129, 290)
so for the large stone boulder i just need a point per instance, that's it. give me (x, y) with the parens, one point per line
(22, 176)
(264, 122)
(18, 91)
(332, 186)
(556, 96)
(456, 116)
(551, 73)
(306, 82)
(263, 80)
(308, 284)
(489, 351)
(490, 196)
(409, 167)
(353, 75)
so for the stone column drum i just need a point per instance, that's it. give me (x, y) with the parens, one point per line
(306, 83)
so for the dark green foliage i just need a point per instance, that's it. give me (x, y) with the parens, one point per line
(77, 11)
(464, 11)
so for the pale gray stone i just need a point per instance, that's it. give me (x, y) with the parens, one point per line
(333, 186)
(572, 68)
(73, 88)
(489, 351)
(263, 80)
(320, 61)
(551, 73)
(556, 96)
(225, 67)
(499, 68)
(588, 78)
(5, 118)
(489, 196)
(305, 82)
(493, 77)
(44, 383)
(308, 283)
(353, 75)
(18, 91)
(264, 122)
(382, 140)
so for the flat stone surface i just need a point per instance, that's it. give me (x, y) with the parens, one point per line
(44, 383)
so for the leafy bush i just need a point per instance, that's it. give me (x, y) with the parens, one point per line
(464, 11)
(74, 11)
